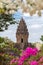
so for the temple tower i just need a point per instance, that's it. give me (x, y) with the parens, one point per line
(22, 34)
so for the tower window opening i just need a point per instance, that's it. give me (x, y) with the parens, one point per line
(22, 40)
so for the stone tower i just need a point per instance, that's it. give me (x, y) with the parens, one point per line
(22, 34)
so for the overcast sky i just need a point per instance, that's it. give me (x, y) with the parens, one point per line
(34, 25)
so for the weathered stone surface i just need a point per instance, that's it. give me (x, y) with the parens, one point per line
(22, 34)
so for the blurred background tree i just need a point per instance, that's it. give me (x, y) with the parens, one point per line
(9, 7)
(5, 19)
(28, 6)
(41, 38)
(6, 15)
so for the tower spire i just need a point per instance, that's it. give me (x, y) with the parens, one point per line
(22, 33)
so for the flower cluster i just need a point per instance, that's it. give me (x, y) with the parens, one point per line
(34, 62)
(25, 54)
(39, 62)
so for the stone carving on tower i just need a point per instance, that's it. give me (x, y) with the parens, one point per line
(22, 34)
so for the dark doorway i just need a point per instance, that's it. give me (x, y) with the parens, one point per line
(22, 40)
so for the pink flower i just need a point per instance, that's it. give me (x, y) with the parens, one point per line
(21, 60)
(34, 52)
(34, 63)
(12, 61)
(41, 64)
(41, 59)
(29, 50)
(26, 54)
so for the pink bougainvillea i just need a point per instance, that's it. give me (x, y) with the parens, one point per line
(26, 54)
(34, 51)
(13, 61)
(34, 62)
(41, 59)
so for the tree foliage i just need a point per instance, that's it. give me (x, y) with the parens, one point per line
(41, 38)
(5, 19)
(1, 39)
(30, 6)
